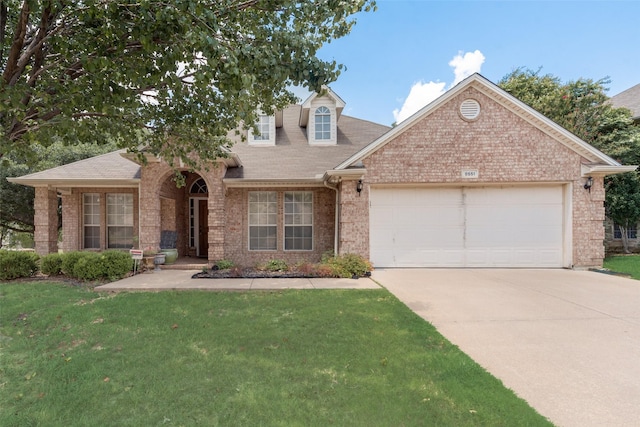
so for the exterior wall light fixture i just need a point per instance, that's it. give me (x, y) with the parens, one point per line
(588, 184)
(359, 187)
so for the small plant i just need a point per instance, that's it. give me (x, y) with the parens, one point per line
(115, 264)
(224, 264)
(15, 264)
(306, 268)
(51, 264)
(350, 265)
(276, 265)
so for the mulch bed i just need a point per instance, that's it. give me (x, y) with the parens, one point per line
(252, 273)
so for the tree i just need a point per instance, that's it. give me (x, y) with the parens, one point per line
(16, 201)
(582, 108)
(186, 71)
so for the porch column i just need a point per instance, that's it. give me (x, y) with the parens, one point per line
(71, 221)
(216, 218)
(45, 220)
(149, 195)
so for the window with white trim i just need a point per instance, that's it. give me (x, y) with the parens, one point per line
(263, 129)
(298, 221)
(263, 220)
(91, 220)
(322, 123)
(119, 221)
(632, 232)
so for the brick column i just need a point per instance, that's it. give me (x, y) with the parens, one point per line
(71, 221)
(354, 219)
(46, 221)
(216, 219)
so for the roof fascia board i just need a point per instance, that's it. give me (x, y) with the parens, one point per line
(75, 182)
(252, 183)
(604, 170)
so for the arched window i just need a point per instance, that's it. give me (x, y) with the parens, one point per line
(199, 187)
(323, 123)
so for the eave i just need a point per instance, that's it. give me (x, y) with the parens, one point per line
(56, 183)
(604, 170)
(268, 183)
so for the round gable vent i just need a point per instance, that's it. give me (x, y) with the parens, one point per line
(470, 109)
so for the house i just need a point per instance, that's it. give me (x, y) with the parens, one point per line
(629, 99)
(475, 179)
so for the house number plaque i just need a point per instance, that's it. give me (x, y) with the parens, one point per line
(470, 173)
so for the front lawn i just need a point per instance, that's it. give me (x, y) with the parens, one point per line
(73, 357)
(627, 264)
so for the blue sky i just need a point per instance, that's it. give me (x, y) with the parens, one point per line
(408, 47)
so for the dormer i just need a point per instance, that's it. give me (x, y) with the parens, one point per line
(266, 129)
(320, 114)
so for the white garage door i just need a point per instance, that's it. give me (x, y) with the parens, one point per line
(467, 227)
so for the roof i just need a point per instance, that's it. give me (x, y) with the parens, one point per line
(630, 99)
(591, 154)
(293, 159)
(109, 169)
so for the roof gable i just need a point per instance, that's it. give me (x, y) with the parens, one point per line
(328, 93)
(503, 98)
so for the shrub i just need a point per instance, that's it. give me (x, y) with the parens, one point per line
(224, 264)
(51, 264)
(69, 261)
(349, 265)
(15, 264)
(276, 265)
(88, 266)
(115, 264)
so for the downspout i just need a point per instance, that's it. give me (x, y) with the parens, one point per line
(336, 215)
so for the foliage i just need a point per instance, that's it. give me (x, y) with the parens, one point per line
(75, 357)
(183, 73)
(224, 264)
(51, 264)
(626, 264)
(16, 201)
(622, 202)
(349, 265)
(582, 107)
(16, 264)
(89, 266)
(275, 265)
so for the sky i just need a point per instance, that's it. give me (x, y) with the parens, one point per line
(408, 52)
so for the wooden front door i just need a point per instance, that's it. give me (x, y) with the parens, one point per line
(203, 229)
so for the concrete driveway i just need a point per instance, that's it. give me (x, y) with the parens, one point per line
(568, 342)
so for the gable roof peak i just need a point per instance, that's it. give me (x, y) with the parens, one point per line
(326, 92)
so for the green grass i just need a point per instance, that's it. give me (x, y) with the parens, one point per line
(627, 264)
(73, 357)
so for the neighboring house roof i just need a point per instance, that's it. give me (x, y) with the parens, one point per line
(106, 170)
(630, 99)
(292, 158)
(600, 163)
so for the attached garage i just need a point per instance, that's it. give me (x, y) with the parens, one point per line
(483, 226)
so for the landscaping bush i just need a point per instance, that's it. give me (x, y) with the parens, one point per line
(275, 265)
(224, 264)
(69, 261)
(15, 264)
(115, 264)
(88, 266)
(349, 265)
(51, 264)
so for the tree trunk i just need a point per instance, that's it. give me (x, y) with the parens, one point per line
(625, 239)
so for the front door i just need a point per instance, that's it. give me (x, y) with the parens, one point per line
(203, 229)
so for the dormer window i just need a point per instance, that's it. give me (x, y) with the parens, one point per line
(323, 123)
(266, 131)
(320, 114)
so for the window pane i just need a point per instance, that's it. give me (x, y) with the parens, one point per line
(119, 237)
(298, 220)
(91, 237)
(263, 219)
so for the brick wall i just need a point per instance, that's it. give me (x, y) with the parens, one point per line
(503, 147)
(237, 227)
(45, 235)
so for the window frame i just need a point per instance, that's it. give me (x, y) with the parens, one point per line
(267, 217)
(324, 123)
(122, 217)
(632, 232)
(298, 218)
(95, 203)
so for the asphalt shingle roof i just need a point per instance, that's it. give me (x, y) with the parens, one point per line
(630, 99)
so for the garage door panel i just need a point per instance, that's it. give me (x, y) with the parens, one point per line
(467, 227)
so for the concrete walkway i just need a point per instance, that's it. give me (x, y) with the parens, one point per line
(568, 342)
(181, 280)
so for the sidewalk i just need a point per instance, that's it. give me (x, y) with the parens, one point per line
(181, 280)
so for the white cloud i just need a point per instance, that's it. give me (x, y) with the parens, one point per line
(421, 93)
(465, 65)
